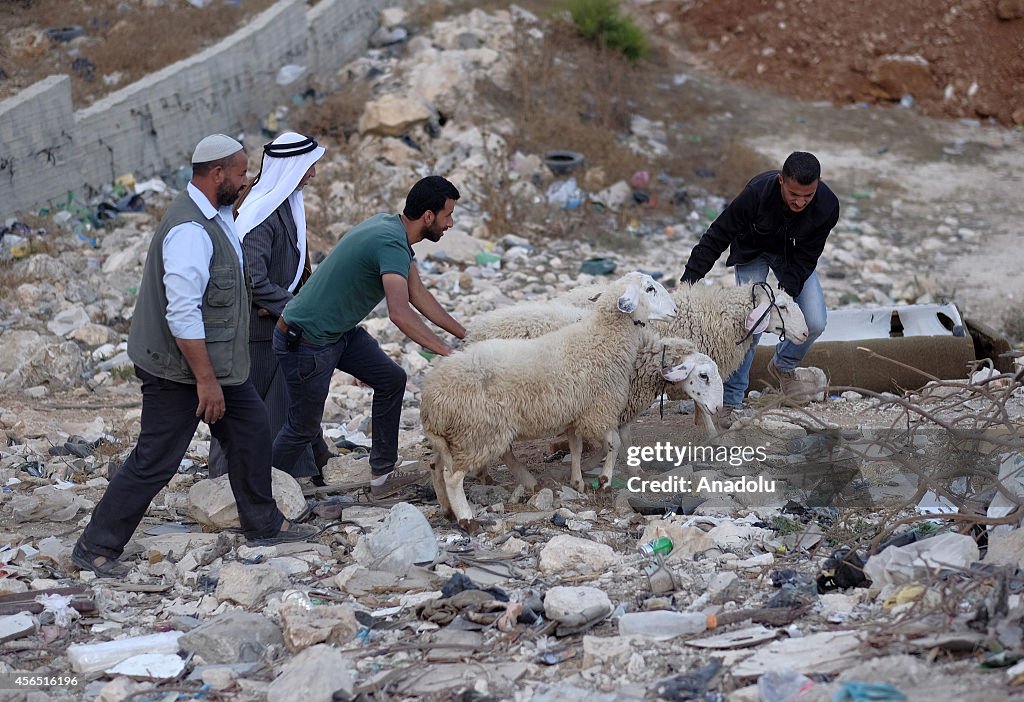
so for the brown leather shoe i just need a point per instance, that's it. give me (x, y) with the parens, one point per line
(396, 481)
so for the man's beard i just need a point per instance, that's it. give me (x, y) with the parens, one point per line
(226, 195)
(432, 234)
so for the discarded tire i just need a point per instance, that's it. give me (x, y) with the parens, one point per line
(561, 162)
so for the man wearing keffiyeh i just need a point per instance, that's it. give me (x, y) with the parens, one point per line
(271, 221)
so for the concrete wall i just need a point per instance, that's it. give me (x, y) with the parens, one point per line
(151, 126)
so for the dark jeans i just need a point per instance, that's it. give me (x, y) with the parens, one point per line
(267, 377)
(308, 370)
(168, 422)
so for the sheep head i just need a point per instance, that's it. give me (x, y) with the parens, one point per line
(643, 298)
(697, 375)
(784, 318)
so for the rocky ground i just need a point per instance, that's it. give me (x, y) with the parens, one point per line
(379, 607)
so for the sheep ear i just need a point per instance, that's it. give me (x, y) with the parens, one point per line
(629, 300)
(754, 316)
(679, 373)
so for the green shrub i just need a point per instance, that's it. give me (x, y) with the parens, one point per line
(600, 20)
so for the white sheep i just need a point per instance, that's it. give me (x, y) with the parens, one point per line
(520, 321)
(476, 402)
(695, 373)
(719, 321)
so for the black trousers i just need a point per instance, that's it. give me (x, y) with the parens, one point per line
(168, 422)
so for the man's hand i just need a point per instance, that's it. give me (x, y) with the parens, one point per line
(208, 390)
(211, 401)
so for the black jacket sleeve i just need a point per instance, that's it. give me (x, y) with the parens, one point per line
(733, 221)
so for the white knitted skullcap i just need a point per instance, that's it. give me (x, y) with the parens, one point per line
(214, 148)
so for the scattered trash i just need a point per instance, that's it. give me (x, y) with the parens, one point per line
(598, 266)
(664, 624)
(857, 691)
(783, 686)
(565, 194)
(661, 546)
(898, 565)
(688, 686)
(796, 589)
(64, 34)
(561, 162)
(95, 657)
(289, 73)
(60, 607)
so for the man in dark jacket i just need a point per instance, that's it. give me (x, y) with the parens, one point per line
(780, 221)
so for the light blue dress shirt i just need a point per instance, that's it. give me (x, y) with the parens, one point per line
(187, 252)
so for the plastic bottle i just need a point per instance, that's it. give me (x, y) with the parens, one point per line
(664, 625)
(783, 686)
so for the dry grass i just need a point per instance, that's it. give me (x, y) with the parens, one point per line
(336, 114)
(121, 37)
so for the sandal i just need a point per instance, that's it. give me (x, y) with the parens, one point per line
(100, 565)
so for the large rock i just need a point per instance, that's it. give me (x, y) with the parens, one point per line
(563, 553)
(394, 115)
(248, 585)
(403, 539)
(93, 335)
(212, 503)
(232, 637)
(1006, 548)
(574, 604)
(1007, 10)
(313, 676)
(455, 245)
(66, 321)
(28, 358)
(443, 78)
(896, 75)
(303, 627)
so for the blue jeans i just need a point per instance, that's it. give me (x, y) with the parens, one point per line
(308, 370)
(788, 355)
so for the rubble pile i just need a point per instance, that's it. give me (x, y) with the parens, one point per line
(813, 587)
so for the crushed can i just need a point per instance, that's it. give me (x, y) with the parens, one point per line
(662, 546)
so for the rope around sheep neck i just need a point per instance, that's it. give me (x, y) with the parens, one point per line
(771, 305)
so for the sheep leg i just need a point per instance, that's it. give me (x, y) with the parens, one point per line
(522, 476)
(442, 457)
(576, 452)
(453, 480)
(614, 442)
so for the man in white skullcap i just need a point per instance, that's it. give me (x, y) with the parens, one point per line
(271, 222)
(189, 342)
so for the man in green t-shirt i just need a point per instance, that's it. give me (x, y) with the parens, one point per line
(318, 332)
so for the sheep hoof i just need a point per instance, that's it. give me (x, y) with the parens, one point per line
(486, 480)
(470, 526)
